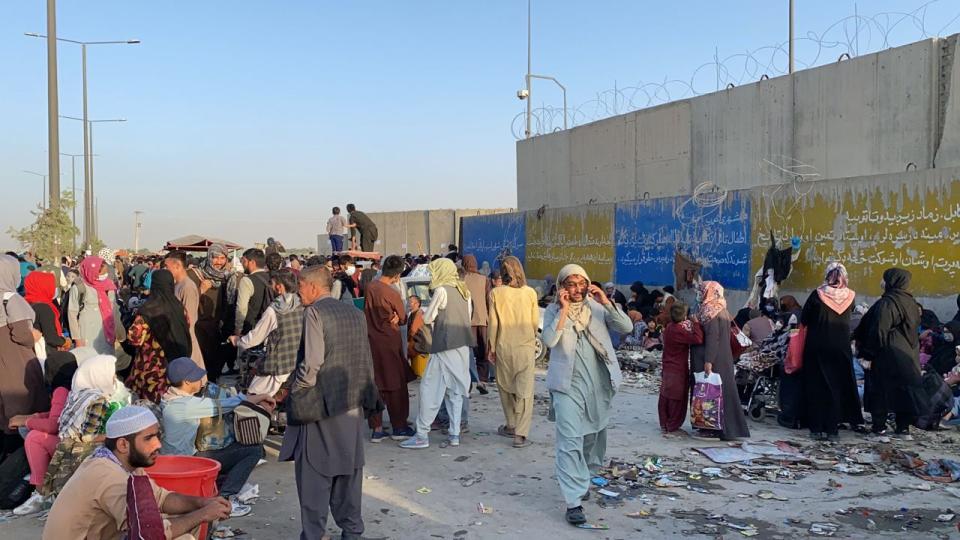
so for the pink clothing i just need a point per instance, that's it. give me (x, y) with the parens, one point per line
(39, 447)
(90, 272)
(48, 422)
(42, 440)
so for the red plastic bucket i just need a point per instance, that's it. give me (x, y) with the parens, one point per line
(190, 475)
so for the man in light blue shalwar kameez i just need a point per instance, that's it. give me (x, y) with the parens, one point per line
(582, 378)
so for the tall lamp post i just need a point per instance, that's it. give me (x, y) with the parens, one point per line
(73, 190)
(88, 232)
(44, 199)
(525, 94)
(136, 230)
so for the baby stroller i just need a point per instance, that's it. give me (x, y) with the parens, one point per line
(758, 376)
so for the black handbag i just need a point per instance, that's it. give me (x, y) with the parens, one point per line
(305, 406)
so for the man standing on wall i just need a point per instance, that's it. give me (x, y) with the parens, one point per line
(336, 229)
(365, 226)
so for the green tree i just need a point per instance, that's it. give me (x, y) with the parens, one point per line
(51, 233)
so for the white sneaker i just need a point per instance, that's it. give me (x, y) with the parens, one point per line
(238, 509)
(36, 503)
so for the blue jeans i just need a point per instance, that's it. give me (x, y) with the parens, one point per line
(236, 464)
(336, 242)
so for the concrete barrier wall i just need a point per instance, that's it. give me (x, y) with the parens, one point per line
(414, 231)
(871, 223)
(874, 114)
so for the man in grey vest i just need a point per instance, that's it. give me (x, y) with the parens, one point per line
(447, 378)
(331, 393)
(280, 329)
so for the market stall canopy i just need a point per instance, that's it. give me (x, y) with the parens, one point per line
(195, 242)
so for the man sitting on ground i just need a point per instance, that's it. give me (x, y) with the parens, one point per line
(182, 412)
(94, 502)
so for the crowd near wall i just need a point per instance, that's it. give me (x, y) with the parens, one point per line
(859, 159)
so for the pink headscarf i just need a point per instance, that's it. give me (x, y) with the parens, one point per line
(834, 292)
(90, 272)
(712, 301)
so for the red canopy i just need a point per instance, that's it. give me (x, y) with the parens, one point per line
(196, 242)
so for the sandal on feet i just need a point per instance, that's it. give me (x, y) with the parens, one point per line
(521, 442)
(505, 431)
(575, 516)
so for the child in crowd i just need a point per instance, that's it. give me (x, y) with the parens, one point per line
(678, 336)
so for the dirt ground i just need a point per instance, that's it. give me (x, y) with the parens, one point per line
(518, 489)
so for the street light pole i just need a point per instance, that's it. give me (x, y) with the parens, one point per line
(53, 114)
(562, 88)
(73, 190)
(136, 231)
(791, 38)
(43, 199)
(88, 232)
(87, 181)
(529, 68)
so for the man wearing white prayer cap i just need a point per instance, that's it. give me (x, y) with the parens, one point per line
(109, 495)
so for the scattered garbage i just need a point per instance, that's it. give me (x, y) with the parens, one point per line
(470, 479)
(769, 495)
(461, 459)
(424, 490)
(483, 509)
(945, 518)
(594, 526)
(223, 531)
(823, 529)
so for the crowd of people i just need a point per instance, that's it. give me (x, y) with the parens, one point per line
(110, 362)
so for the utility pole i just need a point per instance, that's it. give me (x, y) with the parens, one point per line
(529, 132)
(136, 230)
(53, 112)
(791, 38)
(73, 187)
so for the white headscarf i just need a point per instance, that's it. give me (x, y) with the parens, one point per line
(95, 379)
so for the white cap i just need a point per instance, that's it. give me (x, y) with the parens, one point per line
(129, 420)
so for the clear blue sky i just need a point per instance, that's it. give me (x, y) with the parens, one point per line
(251, 119)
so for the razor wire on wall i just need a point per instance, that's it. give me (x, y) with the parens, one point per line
(848, 37)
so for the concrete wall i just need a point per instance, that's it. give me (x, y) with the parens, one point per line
(906, 219)
(874, 114)
(415, 230)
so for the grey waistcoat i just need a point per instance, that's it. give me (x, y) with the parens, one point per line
(452, 329)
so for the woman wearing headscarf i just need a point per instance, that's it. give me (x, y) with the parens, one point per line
(159, 332)
(39, 290)
(888, 340)
(583, 377)
(22, 389)
(479, 287)
(512, 334)
(790, 310)
(93, 311)
(829, 384)
(715, 355)
(83, 419)
(447, 377)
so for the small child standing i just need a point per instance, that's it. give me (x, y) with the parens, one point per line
(678, 336)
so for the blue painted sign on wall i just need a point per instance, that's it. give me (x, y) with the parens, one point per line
(647, 233)
(492, 237)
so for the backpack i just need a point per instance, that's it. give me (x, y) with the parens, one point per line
(251, 423)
